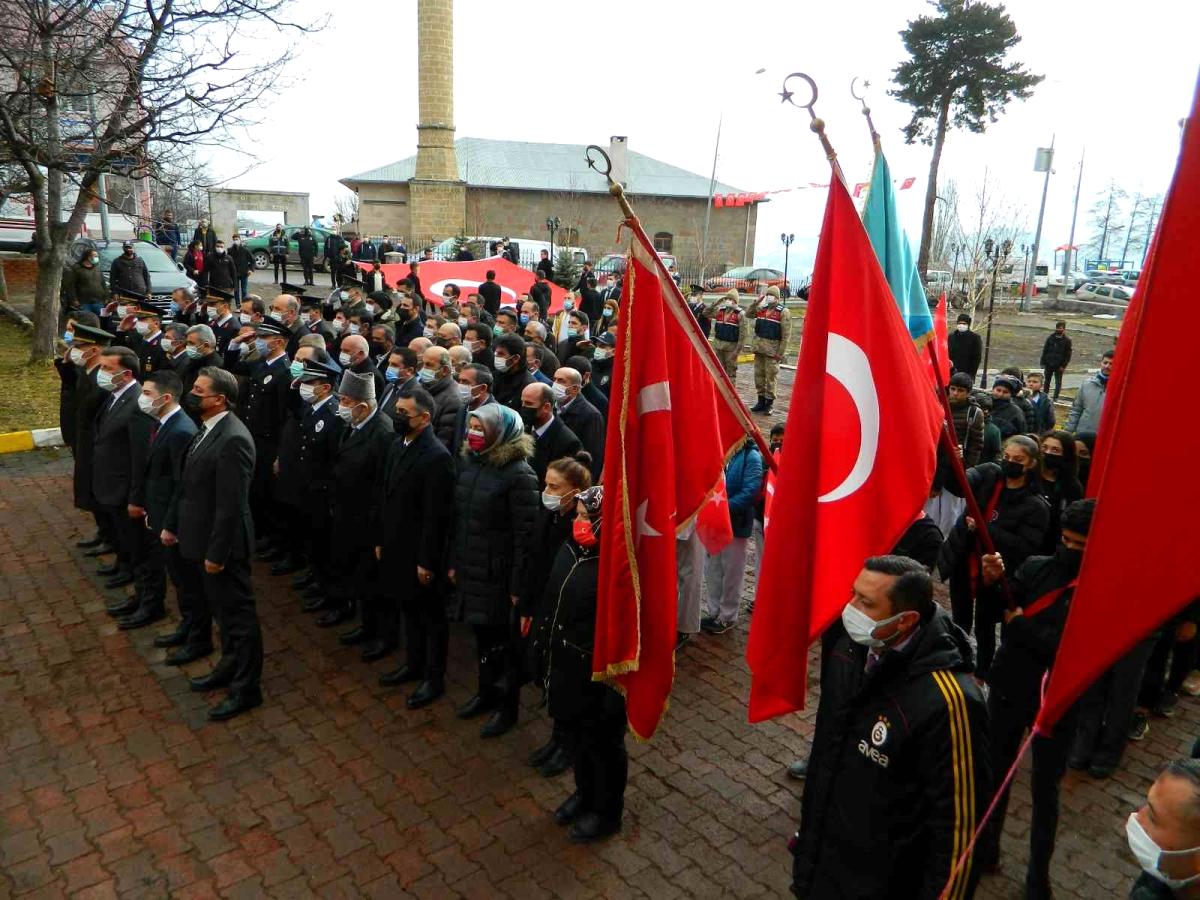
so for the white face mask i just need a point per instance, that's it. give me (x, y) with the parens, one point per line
(77, 356)
(862, 627)
(501, 363)
(105, 381)
(962, 326)
(463, 322)
(552, 502)
(603, 354)
(353, 328)
(142, 327)
(146, 405)
(1149, 854)
(337, 325)
(344, 358)
(430, 333)
(464, 393)
(346, 413)
(244, 318)
(308, 393)
(167, 345)
(122, 310)
(560, 392)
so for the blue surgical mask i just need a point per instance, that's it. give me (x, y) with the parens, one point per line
(174, 308)
(296, 368)
(573, 332)
(192, 352)
(568, 304)
(427, 375)
(607, 312)
(393, 373)
(68, 336)
(260, 345)
(523, 319)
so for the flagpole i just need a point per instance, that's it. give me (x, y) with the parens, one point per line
(866, 111)
(683, 315)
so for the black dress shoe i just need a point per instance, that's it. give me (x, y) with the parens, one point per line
(590, 827)
(107, 569)
(401, 675)
(426, 693)
(126, 607)
(376, 650)
(352, 637)
(142, 618)
(186, 655)
(316, 604)
(212, 681)
(559, 761)
(176, 638)
(476, 706)
(568, 810)
(304, 579)
(94, 541)
(313, 592)
(119, 580)
(275, 554)
(233, 706)
(100, 550)
(501, 722)
(543, 753)
(286, 566)
(335, 616)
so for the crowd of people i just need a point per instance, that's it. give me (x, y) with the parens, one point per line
(409, 464)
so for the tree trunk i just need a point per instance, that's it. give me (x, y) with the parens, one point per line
(931, 190)
(51, 261)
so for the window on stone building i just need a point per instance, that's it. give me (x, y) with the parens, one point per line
(662, 241)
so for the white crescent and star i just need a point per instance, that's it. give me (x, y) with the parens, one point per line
(846, 362)
(652, 398)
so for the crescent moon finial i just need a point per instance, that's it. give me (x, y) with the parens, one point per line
(817, 124)
(866, 110)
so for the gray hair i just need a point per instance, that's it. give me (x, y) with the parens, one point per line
(538, 328)
(205, 333)
(178, 329)
(312, 340)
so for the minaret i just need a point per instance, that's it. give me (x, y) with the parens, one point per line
(437, 198)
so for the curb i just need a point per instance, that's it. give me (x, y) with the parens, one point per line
(19, 441)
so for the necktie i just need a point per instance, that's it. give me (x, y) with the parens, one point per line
(154, 431)
(196, 440)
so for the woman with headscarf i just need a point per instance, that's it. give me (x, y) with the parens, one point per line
(565, 479)
(589, 713)
(1010, 500)
(495, 504)
(1085, 445)
(1059, 483)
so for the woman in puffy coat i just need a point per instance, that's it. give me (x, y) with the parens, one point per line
(565, 478)
(495, 504)
(590, 714)
(1009, 497)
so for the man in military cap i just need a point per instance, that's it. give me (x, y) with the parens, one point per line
(147, 342)
(357, 472)
(117, 316)
(772, 326)
(265, 411)
(305, 463)
(729, 329)
(222, 317)
(128, 272)
(602, 363)
(696, 305)
(87, 343)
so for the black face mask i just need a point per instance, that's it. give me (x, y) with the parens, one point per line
(378, 349)
(1012, 468)
(403, 426)
(192, 403)
(1085, 466)
(1000, 402)
(1053, 463)
(776, 446)
(1068, 560)
(529, 417)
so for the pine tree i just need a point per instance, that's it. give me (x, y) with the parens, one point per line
(957, 77)
(566, 270)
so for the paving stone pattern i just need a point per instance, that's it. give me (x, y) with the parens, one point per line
(114, 784)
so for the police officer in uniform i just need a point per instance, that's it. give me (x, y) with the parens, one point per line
(314, 319)
(266, 408)
(148, 341)
(771, 329)
(729, 329)
(222, 317)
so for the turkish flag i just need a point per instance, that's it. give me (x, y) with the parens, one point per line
(712, 522)
(435, 275)
(941, 377)
(769, 499)
(670, 429)
(868, 422)
(1103, 623)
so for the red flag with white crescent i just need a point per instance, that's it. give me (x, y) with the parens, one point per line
(435, 275)
(669, 435)
(713, 525)
(868, 423)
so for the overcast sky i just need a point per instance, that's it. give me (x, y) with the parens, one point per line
(1119, 77)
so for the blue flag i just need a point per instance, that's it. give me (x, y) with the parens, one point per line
(895, 255)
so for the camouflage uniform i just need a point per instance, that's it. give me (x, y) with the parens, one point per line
(729, 329)
(772, 325)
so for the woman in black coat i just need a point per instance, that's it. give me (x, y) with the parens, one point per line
(1059, 483)
(590, 714)
(1009, 496)
(495, 504)
(565, 478)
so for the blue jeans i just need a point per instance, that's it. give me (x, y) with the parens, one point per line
(91, 307)
(242, 288)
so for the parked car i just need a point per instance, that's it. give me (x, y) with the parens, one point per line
(1108, 293)
(166, 275)
(1103, 276)
(262, 256)
(748, 280)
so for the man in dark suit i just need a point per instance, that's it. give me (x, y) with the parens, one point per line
(200, 346)
(580, 416)
(584, 276)
(409, 323)
(594, 395)
(209, 519)
(400, 375)
(412, 522)
(552, 439)
(171, 431)
(332, 253)
(84, 358)
(120, 441)
(539, 293)
(589, 299)
(477, 338)
(314, 321)
(356, 476)
(355, 356)
(489, 292)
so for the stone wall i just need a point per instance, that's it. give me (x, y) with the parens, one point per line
(223, 204)
(436, 208)
(384, 209)
(435, 73)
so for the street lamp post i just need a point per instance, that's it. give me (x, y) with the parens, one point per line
(552, 225)
(957, 248)
(786, 240)
(1024, 264)
(997, 254)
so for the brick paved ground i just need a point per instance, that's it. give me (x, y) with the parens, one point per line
(113, 783)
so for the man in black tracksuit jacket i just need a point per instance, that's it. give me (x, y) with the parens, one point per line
(899, 775)
(1042, 589)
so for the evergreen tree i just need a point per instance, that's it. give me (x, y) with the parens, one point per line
(566, 270)
(957, 76)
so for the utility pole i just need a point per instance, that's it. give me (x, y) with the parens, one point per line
(1129, 231)
(101, 181)
(1107, 218)
(1149, 229)
(1074, 216)
(1043, 162)
(712, 190)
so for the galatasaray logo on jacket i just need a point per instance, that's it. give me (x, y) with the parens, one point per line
(878, 737)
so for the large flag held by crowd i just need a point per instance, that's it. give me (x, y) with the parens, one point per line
(671, 427)
(1103, 624)
(865, 415)
(436, 274)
